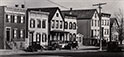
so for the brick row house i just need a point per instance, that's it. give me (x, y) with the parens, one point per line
(12, 28)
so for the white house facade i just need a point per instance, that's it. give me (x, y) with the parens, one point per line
(38, 27)
(105, 23)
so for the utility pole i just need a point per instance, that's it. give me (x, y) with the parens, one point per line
(100, 17)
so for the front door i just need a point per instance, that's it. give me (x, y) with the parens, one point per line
(8, 34)
(30, 38)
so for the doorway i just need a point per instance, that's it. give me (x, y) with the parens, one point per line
(8, 34)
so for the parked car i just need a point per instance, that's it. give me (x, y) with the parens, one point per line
(62, 45)
(53, 45)
(70, 45)
(113, 47)
(34, 47)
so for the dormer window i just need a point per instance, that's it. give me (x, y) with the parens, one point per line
(57, 15)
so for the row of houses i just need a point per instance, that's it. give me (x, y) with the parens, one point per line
(20, 27)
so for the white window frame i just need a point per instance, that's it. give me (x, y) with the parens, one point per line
(9, 18)
(22, 19)
(15, 32)
(21, 33)
(15, 19)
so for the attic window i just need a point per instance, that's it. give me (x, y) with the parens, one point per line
(95, 16)
(57, 15)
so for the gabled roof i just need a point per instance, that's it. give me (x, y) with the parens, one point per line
(112, 20)
(82, 14)
(51, 10)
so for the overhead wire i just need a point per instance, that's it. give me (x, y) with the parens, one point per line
(57, 4)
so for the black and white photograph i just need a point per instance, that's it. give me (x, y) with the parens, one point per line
(61, 28)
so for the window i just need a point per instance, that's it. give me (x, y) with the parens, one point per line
(38, 38)
(108, 23)
(66, 25)
(22, 33)
(44, 37)
(95, 15)
(8, 18)
(52, 23)
(107, 31)
(44, 24)
(74, 37)
(57, 15)
(12, 18)
(15, 19)
(57, 24)
(15, 33)
(60, 24)
(95, 32)
(95, 22)
(32, 23)
(19, 18)
(22, 19)
(104, 22)
(38, 23)
(70, 25)
(74, 25)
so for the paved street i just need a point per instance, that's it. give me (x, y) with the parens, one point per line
(84, 51)
(94, 52)
(70, 54)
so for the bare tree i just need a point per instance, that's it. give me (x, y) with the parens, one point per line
(119, 16)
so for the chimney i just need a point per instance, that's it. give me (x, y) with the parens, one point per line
(16, 5)
(70, 11)
(22, 6)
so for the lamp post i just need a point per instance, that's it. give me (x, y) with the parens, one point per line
(100, 17)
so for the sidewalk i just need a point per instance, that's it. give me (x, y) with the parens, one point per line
(88, 47)
(9, 52)
(81, 49)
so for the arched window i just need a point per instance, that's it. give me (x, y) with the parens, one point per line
(44, 37)
(66, 25)
(38, 23)
(70, 25)
(74, 37)
(57, 15)
(74, 25)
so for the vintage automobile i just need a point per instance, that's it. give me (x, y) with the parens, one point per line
(34, 47)
(62, 45)
(113, 47)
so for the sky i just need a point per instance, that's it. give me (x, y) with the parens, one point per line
(111, 7)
